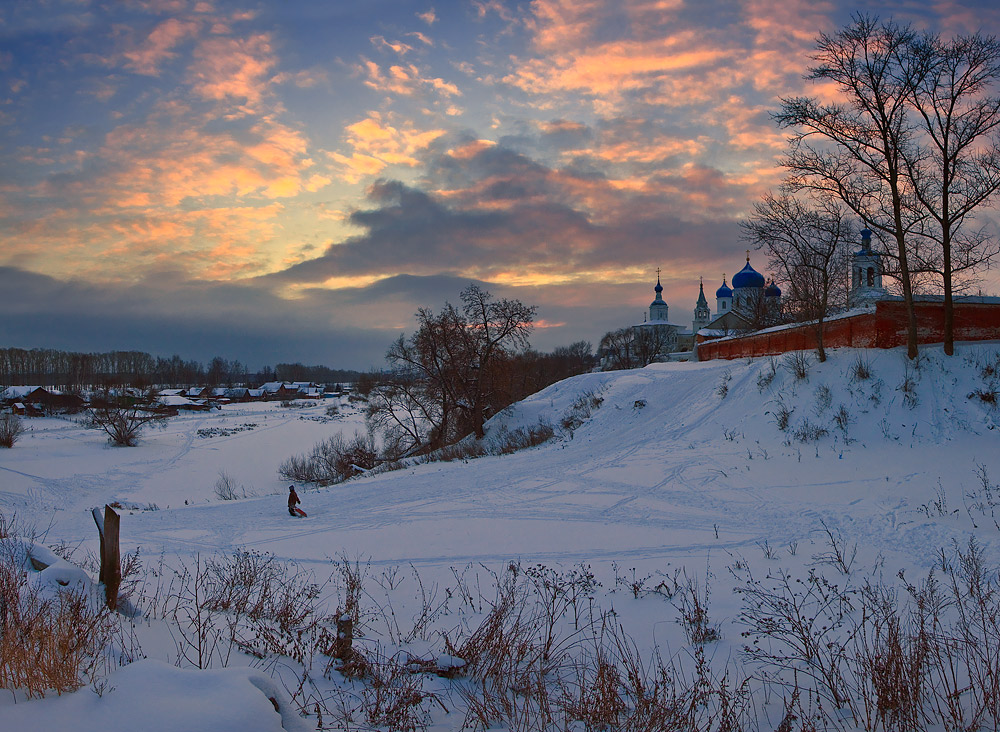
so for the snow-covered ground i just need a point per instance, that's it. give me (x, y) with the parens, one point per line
(677, 468)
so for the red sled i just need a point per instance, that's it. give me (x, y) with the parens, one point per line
(300, 512)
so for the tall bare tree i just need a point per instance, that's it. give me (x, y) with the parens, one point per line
(448, 373)
(808, 247)
(498, 328)
(957, 168)
(855, 151)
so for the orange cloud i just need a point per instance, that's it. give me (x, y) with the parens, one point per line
(158, 46)
(404, 80)
(612, 68)
(376, 144)
(233, 69)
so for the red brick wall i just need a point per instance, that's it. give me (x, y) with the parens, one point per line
(885, 328)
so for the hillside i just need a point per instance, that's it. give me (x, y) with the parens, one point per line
(670, 485)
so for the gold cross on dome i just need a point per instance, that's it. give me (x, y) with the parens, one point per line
(657, 273)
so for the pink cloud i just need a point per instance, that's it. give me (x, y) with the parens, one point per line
(233, 69)
(158, 47)
(403, 80)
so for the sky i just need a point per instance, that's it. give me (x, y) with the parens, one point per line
(282, 181)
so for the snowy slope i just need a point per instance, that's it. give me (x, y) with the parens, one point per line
(675, 466)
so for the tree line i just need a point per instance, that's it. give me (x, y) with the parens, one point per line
(75, 371)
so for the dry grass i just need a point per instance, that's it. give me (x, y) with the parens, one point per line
(47, 643)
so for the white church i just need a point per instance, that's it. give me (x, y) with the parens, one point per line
(750, 303)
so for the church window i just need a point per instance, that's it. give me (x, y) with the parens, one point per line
(871, 276)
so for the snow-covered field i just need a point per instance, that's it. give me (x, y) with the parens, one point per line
(679, 472)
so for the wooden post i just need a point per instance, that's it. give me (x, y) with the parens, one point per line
(112, 558)
(99, 520)
(111, 564)
(345, 637)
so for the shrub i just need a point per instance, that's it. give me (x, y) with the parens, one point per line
(48, 642)
(767, 374)
(782, 415)
(11, 427)
(909, 388)
(333, 460)
(722, 390)
(824, 398)
(510, 441)
(809, 432)
(226, 489)
(580, 411)
(797, 363)
(861, 369)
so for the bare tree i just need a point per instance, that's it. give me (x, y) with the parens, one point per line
(855, 151)
(808, 248)
(498, 327)
(123, 418)
(632, 348)
(405, 412)
(448, 373)
(957, 169)
(616, 350)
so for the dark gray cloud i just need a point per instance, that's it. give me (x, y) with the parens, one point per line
(498, 211)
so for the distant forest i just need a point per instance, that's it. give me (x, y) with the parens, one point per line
(77, 371)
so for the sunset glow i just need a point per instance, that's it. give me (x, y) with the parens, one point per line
(303, 176)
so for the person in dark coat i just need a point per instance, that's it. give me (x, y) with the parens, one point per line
(293, 498)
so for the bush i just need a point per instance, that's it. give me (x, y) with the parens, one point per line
(11, 427)
(722, 390)
(797, 363)
(227, 490)
(580, 410)
(48, 641)
(861, 369)
(332, 461)
(511, 441)
(809, 432)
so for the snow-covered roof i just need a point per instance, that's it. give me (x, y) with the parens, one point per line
(173, 400)
(660, 323)
(19, 392)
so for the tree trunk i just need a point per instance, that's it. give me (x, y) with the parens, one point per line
(820, 351)
(949, 307)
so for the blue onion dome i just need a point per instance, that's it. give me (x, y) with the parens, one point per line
(748, 277)
(772, 290)
(724, 291)
(659, 288)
